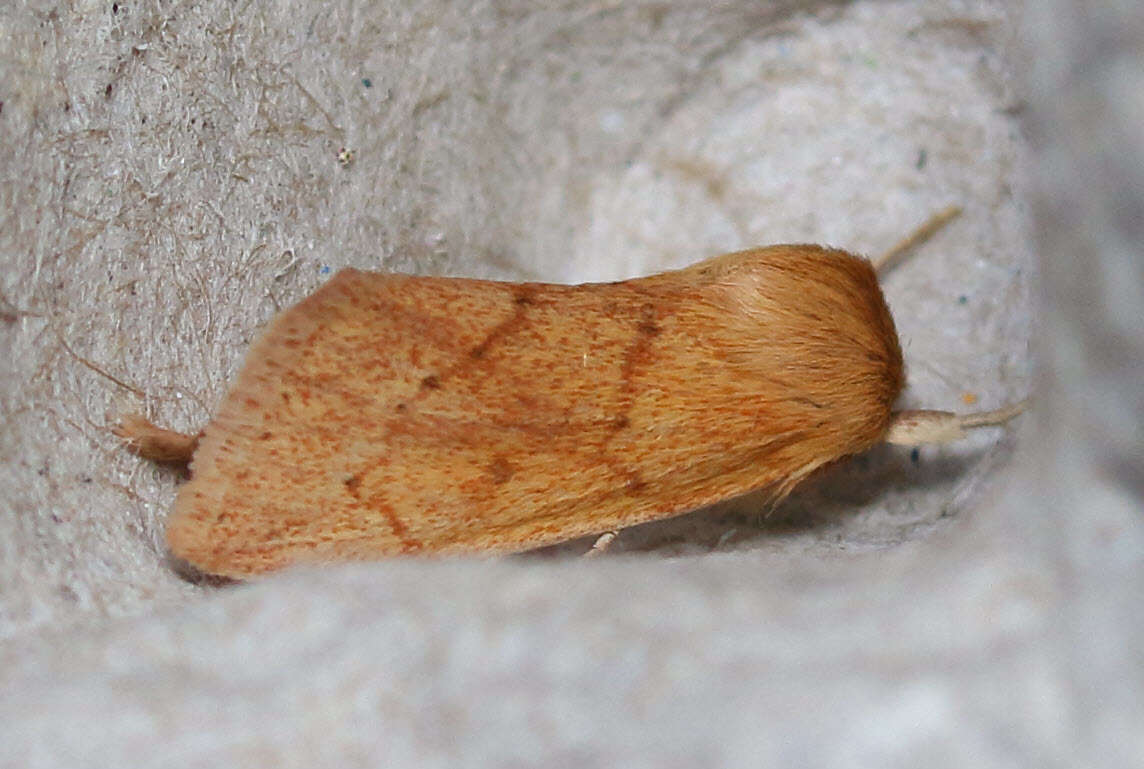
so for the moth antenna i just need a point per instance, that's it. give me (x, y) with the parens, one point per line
(148, 441)
(916, 238)
(917, 428)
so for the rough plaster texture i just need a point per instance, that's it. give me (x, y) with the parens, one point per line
(170, 177)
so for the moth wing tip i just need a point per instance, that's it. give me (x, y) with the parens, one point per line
(187, 541)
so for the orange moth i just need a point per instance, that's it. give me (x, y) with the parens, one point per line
(391, 414)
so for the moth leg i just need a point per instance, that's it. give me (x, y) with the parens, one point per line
(917, 428)
(916, 238)
(144, 439)
(602, 543)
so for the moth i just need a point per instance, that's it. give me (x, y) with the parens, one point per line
(389, 414)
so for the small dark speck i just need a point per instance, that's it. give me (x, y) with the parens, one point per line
(963, 299)
(401, 408)
(367, 82)
(923, 156)
(115, 7)
(85, 479)
(916, 456)
(431, 382)
(107, 91)
(501, 470)
(1, 108)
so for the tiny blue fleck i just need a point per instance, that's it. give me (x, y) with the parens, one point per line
(324, 269)
(915, 456)
(963, 299)
(367, 82)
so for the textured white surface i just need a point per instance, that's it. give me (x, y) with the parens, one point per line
(171, 177)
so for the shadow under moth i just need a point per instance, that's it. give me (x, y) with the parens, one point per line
(392, 414)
